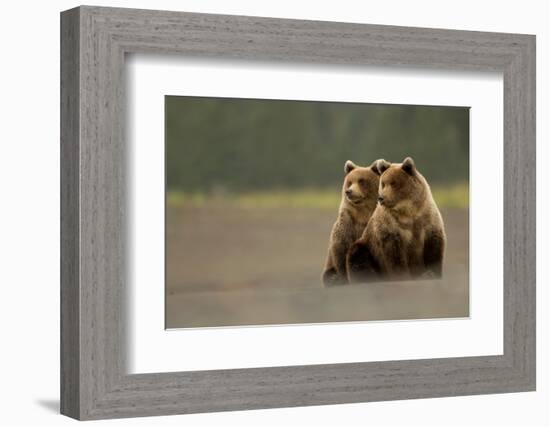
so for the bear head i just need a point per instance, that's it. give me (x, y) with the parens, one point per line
(361, 184)
(401, 186)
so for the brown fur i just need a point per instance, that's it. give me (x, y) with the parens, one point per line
(359, 195)
(405, 237)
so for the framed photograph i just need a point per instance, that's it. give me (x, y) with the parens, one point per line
(261, 213)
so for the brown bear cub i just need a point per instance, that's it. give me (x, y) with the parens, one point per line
(405, 237)
(359, 198)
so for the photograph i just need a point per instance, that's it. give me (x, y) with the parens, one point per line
(292, 212)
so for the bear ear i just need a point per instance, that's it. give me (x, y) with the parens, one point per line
(381, 166)
(373, 167)
(349, 166)
(408, 166)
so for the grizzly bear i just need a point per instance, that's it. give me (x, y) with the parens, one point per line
(405, 237)
(359, 198)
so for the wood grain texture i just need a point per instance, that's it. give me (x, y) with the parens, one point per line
(70, 292)
(94, 381)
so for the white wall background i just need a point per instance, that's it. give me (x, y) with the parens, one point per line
(29, 212)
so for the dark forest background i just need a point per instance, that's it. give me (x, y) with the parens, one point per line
(240, 145)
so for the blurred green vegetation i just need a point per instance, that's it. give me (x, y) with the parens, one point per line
(446, 196)
(278, 151)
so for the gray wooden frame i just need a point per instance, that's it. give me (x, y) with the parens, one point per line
(94, 382)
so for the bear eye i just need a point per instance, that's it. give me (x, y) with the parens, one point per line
(383, 184)
(361, 181)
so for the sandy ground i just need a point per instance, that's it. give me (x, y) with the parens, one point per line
(240, 266)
